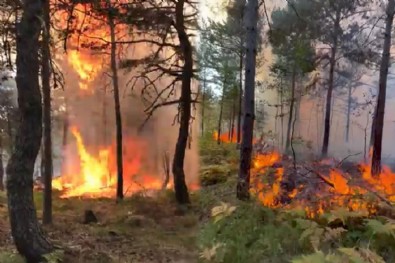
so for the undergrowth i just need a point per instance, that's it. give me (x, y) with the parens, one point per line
(249, 232)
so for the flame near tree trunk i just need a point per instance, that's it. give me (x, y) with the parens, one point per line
(93, 173)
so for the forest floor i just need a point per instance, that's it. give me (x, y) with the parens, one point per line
(217, 228)
(140, 229)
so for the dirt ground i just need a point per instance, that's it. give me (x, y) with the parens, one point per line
(140, 229)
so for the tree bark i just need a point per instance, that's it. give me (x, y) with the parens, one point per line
(291, 111)
(241, 62)
(9, 129)
(348, 114)
(221, 110)
(28, 237)
(251, 22)
(232, 119)
(180, 187)
(46, 87)
(379, 118)
(240, 98)
(118, 118)
(1, 165)
(325, 144)
(203, 102)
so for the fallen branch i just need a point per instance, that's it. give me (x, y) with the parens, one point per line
(345, 158)
(323, 178)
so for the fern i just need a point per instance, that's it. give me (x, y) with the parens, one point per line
(377, 227)
(332, 234)
(319, 257)
(209, 254)
(55, 256)
(353, 255)
(343, 214)
(371, 256)
(222, 211)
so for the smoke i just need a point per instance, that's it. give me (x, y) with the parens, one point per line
(92, 112)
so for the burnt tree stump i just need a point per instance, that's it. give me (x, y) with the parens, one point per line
(89, 217)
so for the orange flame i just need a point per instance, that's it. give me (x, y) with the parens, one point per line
(97, 174)
(340, 190)
(266, 194)
(89, 38)
(224, 137)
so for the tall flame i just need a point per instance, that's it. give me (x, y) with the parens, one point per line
(96, 175)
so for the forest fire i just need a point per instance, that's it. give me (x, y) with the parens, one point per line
(87, 41)
(90, 166)
(317, 192)
(226, 137)
(96, 176)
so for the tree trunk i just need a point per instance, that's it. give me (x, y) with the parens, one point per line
(348, 114)
(1, 165)
(221, 109)
(27, 235)
(282, 112)
(325, 144)
(180, 187)
(65, 136)
(232, 126)
(251, 22)
(118, 118)
(291, 111)
(372, 128)
(379, 118)
(203, 102)
(240, 98)
(9, 130)
(46, 87)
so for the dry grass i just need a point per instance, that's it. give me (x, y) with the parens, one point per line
(140, 229)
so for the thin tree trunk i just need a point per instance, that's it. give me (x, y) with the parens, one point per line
(297, 115)
(240, 98)
(46, 87)
(180, 187)
(232, 126)
(379, 123)
(27, 235)
(221, 109)
(251, 22)
(291, 111)
(348, 114)
(282, 113)
(373, 127)
(118, 118)
(9, 129)
(203, 102)
(65, 136)
(1, 165)
(325, 144)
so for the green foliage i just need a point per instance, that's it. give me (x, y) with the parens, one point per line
(55, 256)
(252, 233)
(212, 153)
(8, 257)
(214, 174)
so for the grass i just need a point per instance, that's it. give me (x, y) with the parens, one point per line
(140, 229)
(218, 228)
